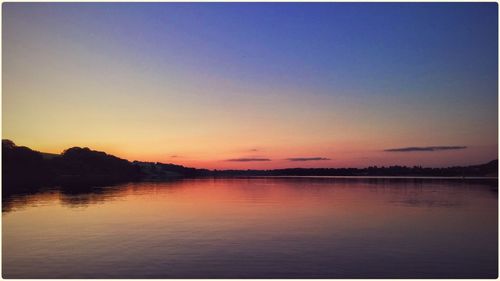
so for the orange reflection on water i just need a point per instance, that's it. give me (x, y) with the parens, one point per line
(255, 228)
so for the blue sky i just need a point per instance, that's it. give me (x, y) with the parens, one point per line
(400, 74)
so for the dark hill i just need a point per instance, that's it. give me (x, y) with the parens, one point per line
(22, 167)
(87, 165)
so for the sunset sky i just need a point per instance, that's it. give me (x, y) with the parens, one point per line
(255, 85)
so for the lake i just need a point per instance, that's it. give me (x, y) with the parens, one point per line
(255, 228)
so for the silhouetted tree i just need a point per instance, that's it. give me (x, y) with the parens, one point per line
(83, 164)
(21, 166)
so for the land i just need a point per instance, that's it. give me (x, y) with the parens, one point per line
(24, 167)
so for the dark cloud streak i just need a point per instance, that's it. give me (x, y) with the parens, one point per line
(425, 148)
(248, 159)
(308, 159)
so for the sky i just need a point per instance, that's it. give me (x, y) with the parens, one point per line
(255, 85)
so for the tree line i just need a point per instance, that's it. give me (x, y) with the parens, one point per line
(22, 167)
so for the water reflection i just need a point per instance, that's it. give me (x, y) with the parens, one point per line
(254, 228)
(67, 195)
(91, 195)
(413, 188)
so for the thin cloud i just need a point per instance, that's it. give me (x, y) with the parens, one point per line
(248, 159)
(308, 159)
(425, 148)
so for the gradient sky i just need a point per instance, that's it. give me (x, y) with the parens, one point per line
(199, 84)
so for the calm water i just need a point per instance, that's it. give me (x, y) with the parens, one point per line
(238, 228)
